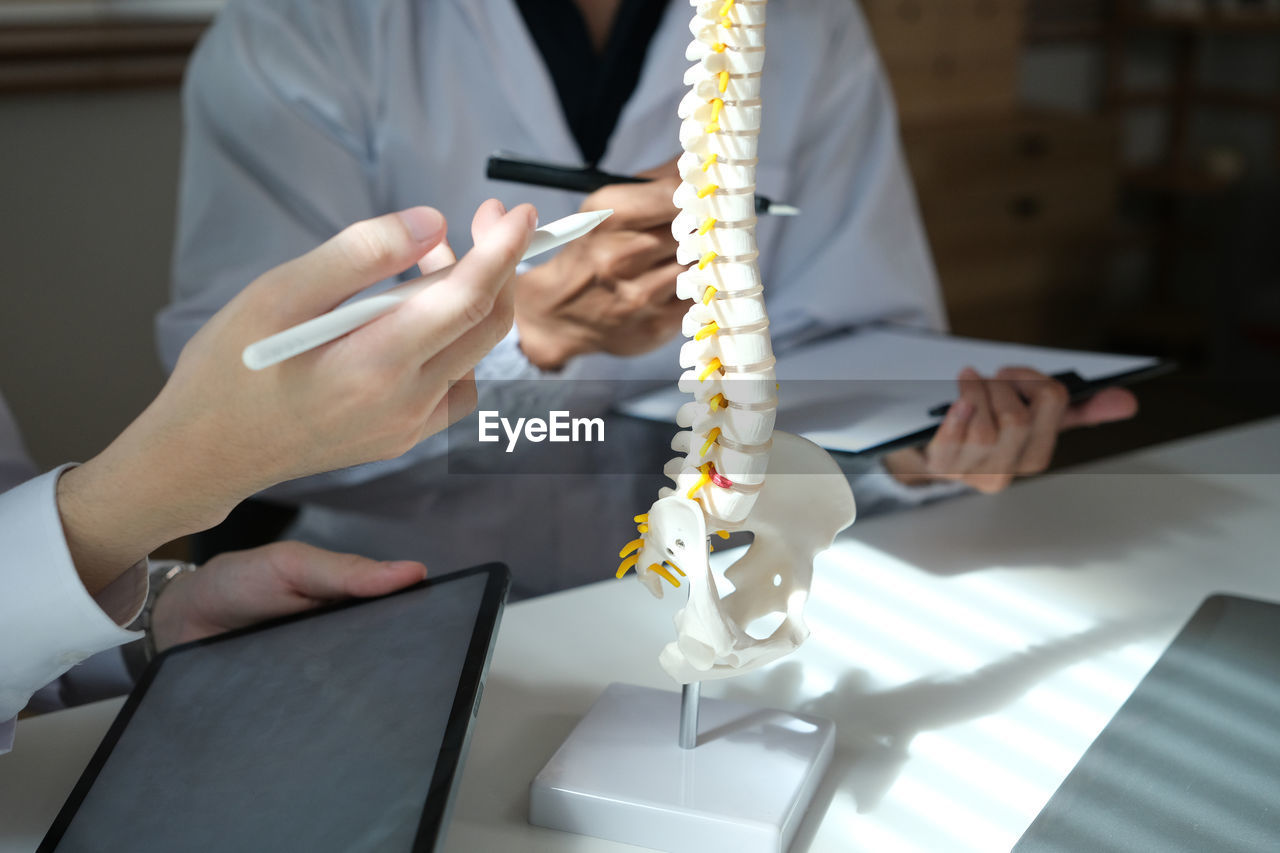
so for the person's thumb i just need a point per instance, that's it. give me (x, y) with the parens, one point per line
(360, 255)
(1110, 404)
(382, 578)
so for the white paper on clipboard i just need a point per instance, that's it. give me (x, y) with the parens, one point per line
(876, 385)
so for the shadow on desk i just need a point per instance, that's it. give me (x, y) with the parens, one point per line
(507, 764)
(875, 728)
(1085, 518)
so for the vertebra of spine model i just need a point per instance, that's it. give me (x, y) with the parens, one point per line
(728, 357)
(728, 440)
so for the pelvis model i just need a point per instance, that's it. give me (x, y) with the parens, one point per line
(736, 472)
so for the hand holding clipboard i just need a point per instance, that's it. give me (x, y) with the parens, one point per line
(1007, 426)
(869, 391)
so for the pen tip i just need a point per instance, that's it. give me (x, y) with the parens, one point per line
(783, 210)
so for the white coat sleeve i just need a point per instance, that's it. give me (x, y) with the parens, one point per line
(858, 252)
(48, 620)
(281, 153)
(877, 491)
(276, 159)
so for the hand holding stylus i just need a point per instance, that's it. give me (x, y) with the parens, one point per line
(330, 326)
(218, 433)
(614, 290)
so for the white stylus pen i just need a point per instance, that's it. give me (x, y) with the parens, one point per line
(338, 322)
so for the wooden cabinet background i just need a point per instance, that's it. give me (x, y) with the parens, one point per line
(1018, 204)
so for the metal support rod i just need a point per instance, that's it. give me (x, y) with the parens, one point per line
(690, 694)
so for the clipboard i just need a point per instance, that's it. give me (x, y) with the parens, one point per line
(879, 388)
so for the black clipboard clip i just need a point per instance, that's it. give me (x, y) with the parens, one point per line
(1080, 389)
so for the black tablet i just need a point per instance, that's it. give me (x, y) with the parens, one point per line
(342, 729)
(1191, 761)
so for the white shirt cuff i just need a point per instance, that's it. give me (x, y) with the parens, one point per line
(876, 490)
(507, 362)
(48, 621)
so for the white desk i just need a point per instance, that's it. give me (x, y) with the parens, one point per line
(969, 652)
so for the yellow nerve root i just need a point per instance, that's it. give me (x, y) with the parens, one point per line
(711, 439)
(711, 368)
(707, 225)
(714, 125)
(666, 575)
(627, 564)
(717, 401)
(709, 162)
(723, 534)
(724, 81)
(707, 190)
(707, 331)
(708, 295)
(705, 471)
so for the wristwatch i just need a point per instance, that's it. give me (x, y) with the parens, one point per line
(160, 573)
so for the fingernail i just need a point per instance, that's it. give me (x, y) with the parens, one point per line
(969, 373)
(395, 565)
(532, 216)
(422, 223)
(962, 409)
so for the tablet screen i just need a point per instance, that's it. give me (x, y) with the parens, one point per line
(1191, 762)
(322, 733)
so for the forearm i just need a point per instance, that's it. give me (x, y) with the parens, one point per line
(149, 487)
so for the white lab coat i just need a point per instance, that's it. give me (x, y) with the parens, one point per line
(305, 115)
(48, 621)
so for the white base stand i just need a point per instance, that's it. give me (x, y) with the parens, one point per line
(620, 775)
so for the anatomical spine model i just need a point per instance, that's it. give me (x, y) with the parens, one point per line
(728, 440)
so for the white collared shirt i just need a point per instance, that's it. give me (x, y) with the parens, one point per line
(48, 621)
(302, 116)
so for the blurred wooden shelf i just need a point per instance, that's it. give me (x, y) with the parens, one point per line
(97, 39)
(1238, 100)
(120, 52)
(1263, 102)
(1181, 172)
(1095, 24)
(1177, 180)
(1206, 22)
(1140, 236)
(1053, 31)
(125, 72)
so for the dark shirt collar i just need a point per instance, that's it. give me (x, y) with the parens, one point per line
(593, 88)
